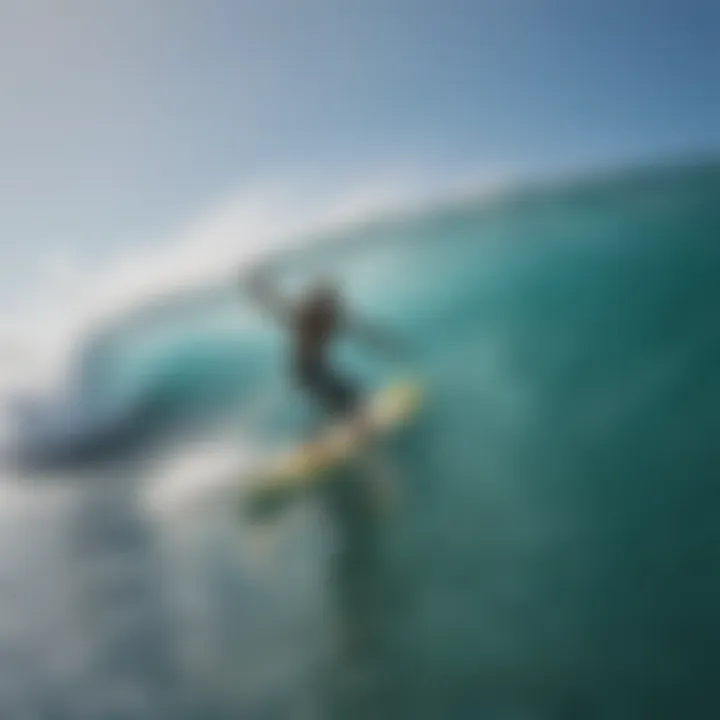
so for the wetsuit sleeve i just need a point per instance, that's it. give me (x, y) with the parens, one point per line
(266, 295)
(375, 336)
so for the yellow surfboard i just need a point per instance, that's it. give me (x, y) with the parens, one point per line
(307, 464)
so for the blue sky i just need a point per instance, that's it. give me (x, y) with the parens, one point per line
(122, 118)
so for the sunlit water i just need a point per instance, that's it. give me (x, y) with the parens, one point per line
(553, 551)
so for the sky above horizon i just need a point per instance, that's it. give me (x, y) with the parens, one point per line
(123, 119)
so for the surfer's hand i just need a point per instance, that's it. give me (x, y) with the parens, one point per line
(257, 283)
(254, 279)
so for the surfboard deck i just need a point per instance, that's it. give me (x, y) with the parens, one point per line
(308, 464)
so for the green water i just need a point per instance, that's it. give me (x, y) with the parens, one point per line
(555, 553)
(562, 531)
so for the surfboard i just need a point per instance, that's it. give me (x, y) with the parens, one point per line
(307, 464)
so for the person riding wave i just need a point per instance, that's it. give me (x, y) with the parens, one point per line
(314, 321)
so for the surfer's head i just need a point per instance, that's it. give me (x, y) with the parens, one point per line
(324, 293)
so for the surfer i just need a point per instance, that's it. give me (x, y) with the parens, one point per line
(314, 321)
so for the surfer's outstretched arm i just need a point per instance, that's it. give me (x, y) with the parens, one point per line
(376, 337)
(266, 294)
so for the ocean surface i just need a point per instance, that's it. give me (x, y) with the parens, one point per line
(554, 546)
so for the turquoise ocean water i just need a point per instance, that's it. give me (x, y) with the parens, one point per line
(554, 550)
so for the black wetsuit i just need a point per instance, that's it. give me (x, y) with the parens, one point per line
(315, 325)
